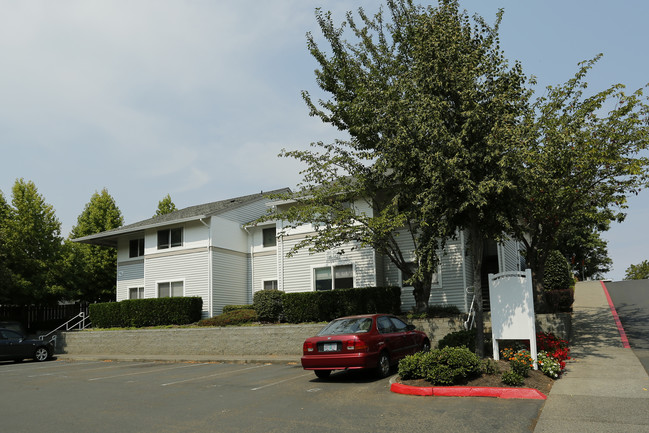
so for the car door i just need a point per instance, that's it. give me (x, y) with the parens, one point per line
(394, 340)
(407, 337)
(11, 344)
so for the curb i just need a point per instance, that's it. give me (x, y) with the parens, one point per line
(468, 391)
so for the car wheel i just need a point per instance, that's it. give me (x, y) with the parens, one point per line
(322, 374)
(425, 347)
(41, 354)
(383, 367)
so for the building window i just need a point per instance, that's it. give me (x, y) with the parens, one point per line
(270, 285)
(170, 238)
(270, 237)
(171, 289)
(136, 293)
(334, 277)
(136, 247)
(412, 267)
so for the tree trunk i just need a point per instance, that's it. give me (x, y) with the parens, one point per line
(421, 292)
(477, 247)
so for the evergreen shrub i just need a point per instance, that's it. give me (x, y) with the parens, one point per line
(557, 274)
(447, 366)
(231, 318)
(268, 305)
(146, 312)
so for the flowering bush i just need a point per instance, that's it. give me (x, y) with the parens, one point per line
(549, 365)
(555, 347)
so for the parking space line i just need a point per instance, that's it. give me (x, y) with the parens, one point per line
(101, 368)
(213, 375)
(145, 372)
(51, 364)
(281, 381)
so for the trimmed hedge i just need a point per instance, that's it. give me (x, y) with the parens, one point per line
(229, 308)
(557, 272)
(268, 305)
(327, 305)
(560, 301)
(447, 366)
(146, 312)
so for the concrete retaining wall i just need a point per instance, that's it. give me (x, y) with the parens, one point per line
(244, 340)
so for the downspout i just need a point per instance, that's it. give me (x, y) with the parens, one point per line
(252, 265)
(463, 253)
(210, 289)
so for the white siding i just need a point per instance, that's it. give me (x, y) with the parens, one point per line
(191, 267)
(229, 279)
(264, 268)
(129, 274)
(297, 270)
(509, 256)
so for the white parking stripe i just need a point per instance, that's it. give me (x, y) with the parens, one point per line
(49, 364)
(213, 375)
(145, 372)
(101, 368)
(281, 381)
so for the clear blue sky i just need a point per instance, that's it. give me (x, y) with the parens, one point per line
(196, 99)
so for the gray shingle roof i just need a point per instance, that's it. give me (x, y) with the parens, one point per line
(192, 213)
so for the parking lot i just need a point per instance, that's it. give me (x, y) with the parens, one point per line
(101, 396)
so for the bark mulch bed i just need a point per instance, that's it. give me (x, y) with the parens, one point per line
(536, 380)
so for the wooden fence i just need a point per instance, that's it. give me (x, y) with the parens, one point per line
(41, 317)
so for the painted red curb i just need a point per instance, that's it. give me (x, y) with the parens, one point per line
(618, 323)
(468, 391)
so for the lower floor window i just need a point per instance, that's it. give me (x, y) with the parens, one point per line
(136, 293)
(334, 277)
(171, 289)
(270, 285)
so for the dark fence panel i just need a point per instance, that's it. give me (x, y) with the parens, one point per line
(41, 317)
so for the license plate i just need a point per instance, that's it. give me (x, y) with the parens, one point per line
(330, 347)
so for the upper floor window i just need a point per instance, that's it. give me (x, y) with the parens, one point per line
(170, 238)
(270, 237)
(334, 277)
(136, 247)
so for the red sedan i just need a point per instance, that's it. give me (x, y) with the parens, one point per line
(374, 341)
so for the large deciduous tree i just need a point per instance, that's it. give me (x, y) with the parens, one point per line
(32, 244)
(637, 272)
(93, 268)
(431, 108)
(585, 156)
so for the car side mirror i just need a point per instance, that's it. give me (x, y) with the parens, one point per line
(411, 327)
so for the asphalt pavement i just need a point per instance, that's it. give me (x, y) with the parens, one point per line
(605, 387)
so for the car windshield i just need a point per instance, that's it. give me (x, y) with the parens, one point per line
(347, 326)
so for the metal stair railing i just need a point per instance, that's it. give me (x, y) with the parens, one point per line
(469, 323)
(81, 320)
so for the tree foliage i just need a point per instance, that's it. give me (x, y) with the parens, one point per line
(92, 268)
(431, 109)
(165, 206)
(583, 159)
(637, 272)
(31, 247)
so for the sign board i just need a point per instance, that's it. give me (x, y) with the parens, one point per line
(512, 309)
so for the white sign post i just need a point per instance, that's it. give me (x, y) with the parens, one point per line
(512, 309)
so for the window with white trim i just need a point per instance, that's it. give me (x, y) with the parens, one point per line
(136, 247)
(269, 237)
(170, 238)
(136, 293)
(171, 289)
(270, 285)
(333, 277)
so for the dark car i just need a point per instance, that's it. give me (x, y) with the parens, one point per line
(14, 345)
(374, 341)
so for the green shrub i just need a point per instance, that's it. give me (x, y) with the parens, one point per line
(327, 305)
(434, 311)
(512, 378)
(548, 365)
(560, 300)
(447, 366)
(268, 305)
(463, 338)
(228, 308)
(146, 312)
(489, 366)
(233, 317)
(557, 272)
